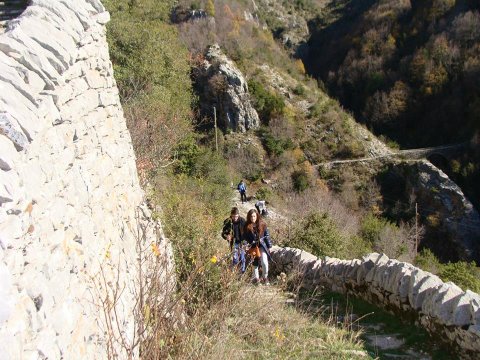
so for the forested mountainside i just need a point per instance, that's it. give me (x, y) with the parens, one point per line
(165, 91)
(409, 69)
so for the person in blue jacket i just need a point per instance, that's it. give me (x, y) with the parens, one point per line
(256, 234)
(242, 189)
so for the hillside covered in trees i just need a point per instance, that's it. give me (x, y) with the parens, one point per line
(408, 69)
(158, 50)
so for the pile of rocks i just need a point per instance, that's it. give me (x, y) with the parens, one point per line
(442, 308)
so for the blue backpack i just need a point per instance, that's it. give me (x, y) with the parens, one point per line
(241, 187)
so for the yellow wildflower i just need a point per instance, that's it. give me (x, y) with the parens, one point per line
(155, 250)
(278, 334)
(107, 251)
(213, 259)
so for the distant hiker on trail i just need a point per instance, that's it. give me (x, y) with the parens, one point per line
(261, 207)
(256, 234)
(232, 232)
(242, 188)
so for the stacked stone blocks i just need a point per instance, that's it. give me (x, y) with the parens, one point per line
(71, 220)
(445, 310)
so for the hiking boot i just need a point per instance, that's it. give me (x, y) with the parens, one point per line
(256, 281)
(265, 282)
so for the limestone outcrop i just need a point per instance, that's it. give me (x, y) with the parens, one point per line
(72, 223)
(445, 310)
(453, 223)
(221, 84)
(459, 217)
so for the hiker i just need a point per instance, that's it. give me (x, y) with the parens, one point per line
(256, 234)
(261, 207)
(232, 232)
(242, 188)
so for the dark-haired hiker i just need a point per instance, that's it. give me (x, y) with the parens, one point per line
(232, 232)
(256, 234)
(242, 189)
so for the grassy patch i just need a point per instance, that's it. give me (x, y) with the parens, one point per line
(415, 338)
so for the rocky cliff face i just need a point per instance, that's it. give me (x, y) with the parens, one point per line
(452, 223)
(72, 224)
(287, 23)
(442, 308)
(457, 214)
(221, 84)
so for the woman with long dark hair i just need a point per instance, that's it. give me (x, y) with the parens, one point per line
(256, 234)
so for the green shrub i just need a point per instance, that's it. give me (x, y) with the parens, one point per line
(187, 152)
(275, 145)
(319, 235)
(388, 238)
(299, 90)
(464, 274)
(263, 193)
(371, 228)
(427, 261)
(265, 102)
(300, 180)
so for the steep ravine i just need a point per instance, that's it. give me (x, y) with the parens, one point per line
(325, 46)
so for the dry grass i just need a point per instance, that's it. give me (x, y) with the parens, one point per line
(255, 323)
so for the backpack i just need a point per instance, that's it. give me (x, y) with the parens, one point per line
(241, 187)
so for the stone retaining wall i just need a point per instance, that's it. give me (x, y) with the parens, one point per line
(442, 308)
(72, 222)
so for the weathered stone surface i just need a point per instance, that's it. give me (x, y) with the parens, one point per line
(50, 38)
(10, 129)
(234, 108)
(30, 58)
(441, 307)
(10, 76)
(70, 200)
(459, 217)
(8, 154)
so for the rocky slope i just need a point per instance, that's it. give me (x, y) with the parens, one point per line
(221, 84)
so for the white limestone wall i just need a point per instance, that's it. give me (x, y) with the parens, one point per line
(444, 309)
(70, 198)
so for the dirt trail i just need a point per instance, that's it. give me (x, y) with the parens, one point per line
(272, 218)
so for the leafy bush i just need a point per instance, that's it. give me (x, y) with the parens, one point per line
(386, 237)
(318, 234)
(187, 152)
(275, 145)
(300, 180)
(428, 261)
(263, 193)
(299, 90)
(265, 102)
(371, 227)
(464, 274)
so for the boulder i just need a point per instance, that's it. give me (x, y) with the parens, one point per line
(221, 84)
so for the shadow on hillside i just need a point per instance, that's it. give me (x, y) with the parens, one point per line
(328, 44)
